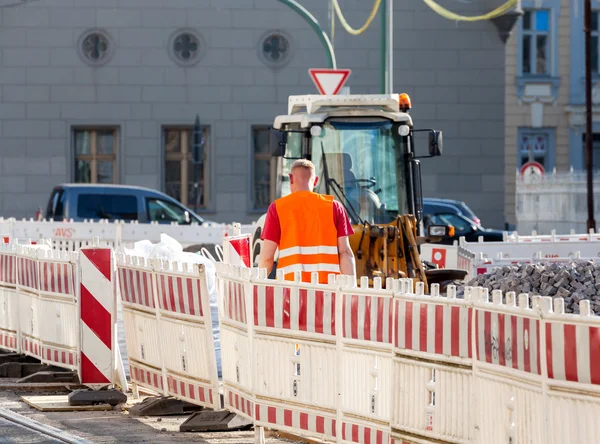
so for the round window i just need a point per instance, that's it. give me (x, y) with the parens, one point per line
(95, 47)
(275, 49)
(185, 47)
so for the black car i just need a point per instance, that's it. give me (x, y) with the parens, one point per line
(463, 227)
(443, 206)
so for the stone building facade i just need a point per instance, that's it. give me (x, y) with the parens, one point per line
(108, 91)
(545, 101)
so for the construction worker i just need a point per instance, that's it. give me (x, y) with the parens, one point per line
(311, 230)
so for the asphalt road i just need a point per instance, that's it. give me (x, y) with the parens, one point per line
(14, 433)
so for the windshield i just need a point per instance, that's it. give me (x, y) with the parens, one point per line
(364, 162)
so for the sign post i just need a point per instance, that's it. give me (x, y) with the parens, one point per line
(329, 82)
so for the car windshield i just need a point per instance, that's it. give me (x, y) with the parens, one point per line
(362, 164)
(468, 212)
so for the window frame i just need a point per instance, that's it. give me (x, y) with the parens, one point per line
(551, 78)
(186, 134)
(549, 156)
(533, 34)
(94, 157)
(272, 167)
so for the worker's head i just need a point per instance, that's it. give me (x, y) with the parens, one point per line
(303, 176)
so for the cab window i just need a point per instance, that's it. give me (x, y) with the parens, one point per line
(107, 206)
(165, 212)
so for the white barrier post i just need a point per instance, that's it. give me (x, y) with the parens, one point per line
(366, 361)
(433, 374)
(9, 300)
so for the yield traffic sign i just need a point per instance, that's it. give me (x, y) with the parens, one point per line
(329, 81)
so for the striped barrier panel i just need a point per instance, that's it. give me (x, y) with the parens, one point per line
(572, 367)
(28, 295)
(137, 289)
(433, 375)
(168, 328)
(366, 363)
(58, 307)
(186, 337)
(97, 320)
(9, 301)
(295, 354)
(508, 369)
(235, 321)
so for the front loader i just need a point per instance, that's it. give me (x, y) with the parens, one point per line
(363, 148)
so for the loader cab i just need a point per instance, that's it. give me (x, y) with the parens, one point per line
(363, 151)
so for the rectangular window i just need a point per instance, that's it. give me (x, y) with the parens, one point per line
(186, 166)
(95, 155)
(595, 150)
(535, 54)
(595, 47)
(534, 146)
(264, 165)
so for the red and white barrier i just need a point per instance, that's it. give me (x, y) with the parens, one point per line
(28, 296)
(97, 306)
(57, 303)
(331, 362)
(295, 334)
(59, 307)
(572, 344)
(137, 290)
(508, 369)
(9, 301)
(168, 329)
(432, 364)
(236, 312)
(366, 362)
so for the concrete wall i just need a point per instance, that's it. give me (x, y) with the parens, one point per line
(454, 73)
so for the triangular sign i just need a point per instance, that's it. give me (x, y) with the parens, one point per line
(329, 81)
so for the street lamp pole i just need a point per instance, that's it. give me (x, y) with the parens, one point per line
(387, 47)
(314, 24)
(589, 158)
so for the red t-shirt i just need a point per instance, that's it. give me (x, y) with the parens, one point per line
(272, 229)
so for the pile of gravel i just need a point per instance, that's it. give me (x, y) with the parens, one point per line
(574, 281)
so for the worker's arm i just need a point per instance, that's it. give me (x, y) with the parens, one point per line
(347, 261)
(266, 259)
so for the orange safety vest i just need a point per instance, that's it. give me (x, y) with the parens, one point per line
(308, 236)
